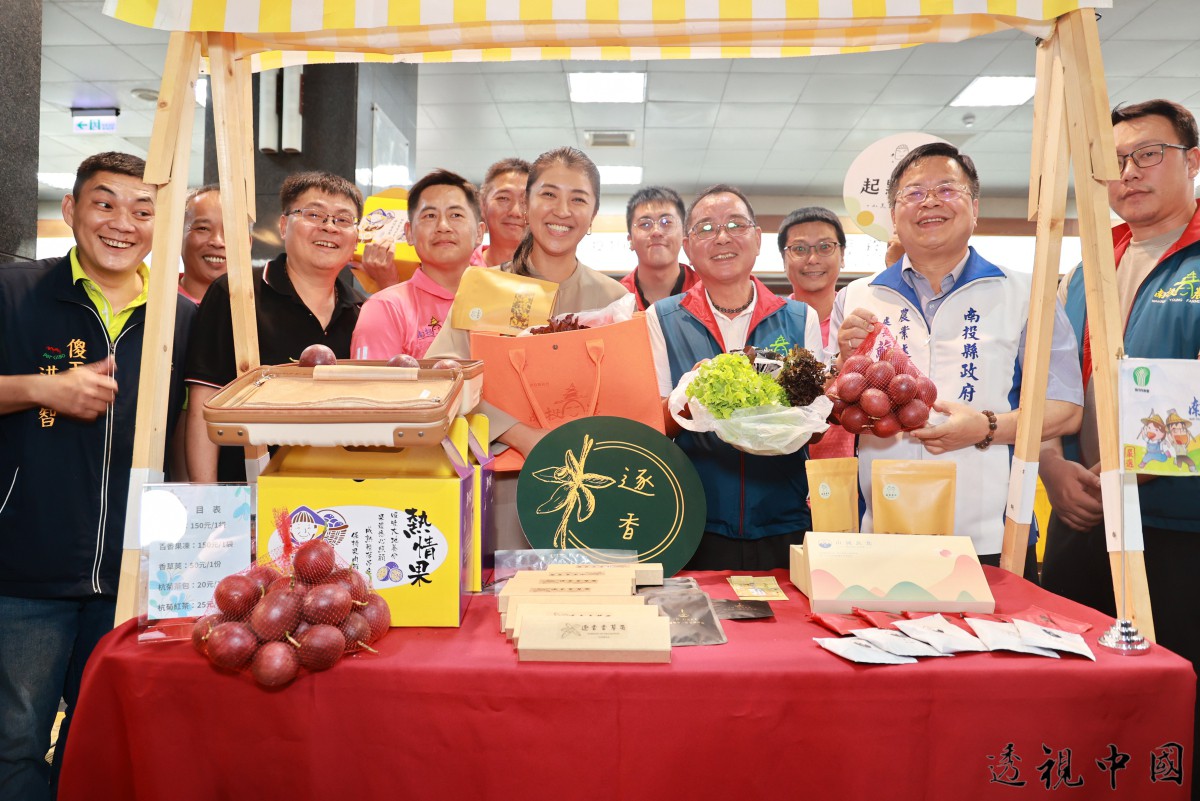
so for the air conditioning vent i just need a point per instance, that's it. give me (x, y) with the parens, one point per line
(609, 138)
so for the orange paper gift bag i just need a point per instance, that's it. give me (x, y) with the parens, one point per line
(546, 380)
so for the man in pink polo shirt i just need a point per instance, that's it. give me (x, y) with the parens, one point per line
(502, 198)
(444, 227)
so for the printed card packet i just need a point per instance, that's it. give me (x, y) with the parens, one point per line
(757, 588)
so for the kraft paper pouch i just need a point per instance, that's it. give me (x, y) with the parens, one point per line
(833, 493)
(495, 300)
(912, 497)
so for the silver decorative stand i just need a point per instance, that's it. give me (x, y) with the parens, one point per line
(1123, 638)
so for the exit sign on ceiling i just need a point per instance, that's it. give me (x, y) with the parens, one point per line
(92, 124)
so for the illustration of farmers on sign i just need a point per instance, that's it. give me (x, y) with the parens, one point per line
(1160, 406)
(391, 546)
(610, 483)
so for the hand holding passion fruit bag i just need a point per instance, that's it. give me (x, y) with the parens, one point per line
(880, 390)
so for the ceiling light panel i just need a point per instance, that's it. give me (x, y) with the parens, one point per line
(607, 87)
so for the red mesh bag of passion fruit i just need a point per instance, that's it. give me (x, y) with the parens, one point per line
(880, 390)
(306, 609)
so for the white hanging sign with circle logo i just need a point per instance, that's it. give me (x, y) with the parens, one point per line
(865, 189)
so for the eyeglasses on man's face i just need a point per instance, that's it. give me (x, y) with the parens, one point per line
(1146, 156)
(318, 217)
(666, 223)
(802, 251)
(734, 226)
(916, 195)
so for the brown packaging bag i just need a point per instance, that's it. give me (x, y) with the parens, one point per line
(833, 493)
(913, 497)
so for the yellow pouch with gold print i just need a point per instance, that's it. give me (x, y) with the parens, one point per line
(833, 493)
(499, 301)
(913, 497)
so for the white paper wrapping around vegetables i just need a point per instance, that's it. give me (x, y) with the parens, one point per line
(760, 430)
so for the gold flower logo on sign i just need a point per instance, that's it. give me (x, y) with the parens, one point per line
(574, 490)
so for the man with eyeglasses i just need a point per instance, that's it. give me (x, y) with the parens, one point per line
(1157, 253)
(757, 505)
(302, 297)
(654, 219)
(813, 245)
(962, 320)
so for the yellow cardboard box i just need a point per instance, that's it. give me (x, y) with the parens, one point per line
(404, 517)
(483, 543)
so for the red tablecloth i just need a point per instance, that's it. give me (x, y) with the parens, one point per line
(451, 714)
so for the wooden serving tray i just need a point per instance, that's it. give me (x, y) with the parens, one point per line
(350, 403)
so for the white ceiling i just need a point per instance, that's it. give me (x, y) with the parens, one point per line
(778, 128)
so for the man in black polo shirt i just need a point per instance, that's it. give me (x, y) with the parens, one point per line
(302, 297)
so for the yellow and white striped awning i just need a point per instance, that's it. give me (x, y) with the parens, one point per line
(283, 32)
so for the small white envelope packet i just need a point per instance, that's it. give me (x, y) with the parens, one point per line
(895, 642)
(1005, 637)
(941, 634)
(1058, 640)
(861, 651)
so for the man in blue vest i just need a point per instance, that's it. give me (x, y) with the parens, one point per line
(1157, 250)
(962, 321)
(757, 505)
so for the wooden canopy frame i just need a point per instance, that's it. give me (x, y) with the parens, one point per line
(1071, 126)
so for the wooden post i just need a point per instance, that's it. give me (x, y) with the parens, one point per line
(230, 84)
(1094, 156)
(167, 168)
(1048, 198)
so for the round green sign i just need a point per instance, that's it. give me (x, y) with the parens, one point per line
(612, 483)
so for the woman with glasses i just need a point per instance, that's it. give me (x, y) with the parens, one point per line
(304, 296)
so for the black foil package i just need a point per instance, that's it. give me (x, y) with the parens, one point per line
(742, 610)
(693, 621)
